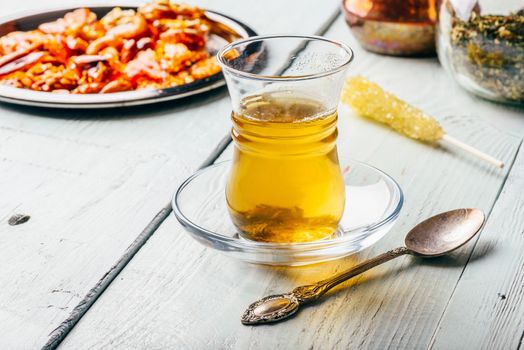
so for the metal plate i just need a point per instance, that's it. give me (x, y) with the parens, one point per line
(224, 29)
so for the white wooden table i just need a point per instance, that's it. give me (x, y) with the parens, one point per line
(97, 185)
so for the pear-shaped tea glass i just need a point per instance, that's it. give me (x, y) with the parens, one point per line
(285, 182)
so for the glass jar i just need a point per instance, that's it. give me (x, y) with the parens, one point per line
(285, 183)
(393, 27)
(481, 43)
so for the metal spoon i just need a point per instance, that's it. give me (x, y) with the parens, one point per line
(432, 237)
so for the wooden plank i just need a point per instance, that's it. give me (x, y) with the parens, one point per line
(486, 310)
(177, 294)
(92, 180)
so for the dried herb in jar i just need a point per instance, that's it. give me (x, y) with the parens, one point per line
(489, 49)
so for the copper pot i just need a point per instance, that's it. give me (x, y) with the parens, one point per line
(393, 27)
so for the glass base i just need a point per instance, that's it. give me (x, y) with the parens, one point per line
(373, 203)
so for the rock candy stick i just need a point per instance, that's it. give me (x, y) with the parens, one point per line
(371, 101)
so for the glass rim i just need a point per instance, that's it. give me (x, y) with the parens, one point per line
(220, 58)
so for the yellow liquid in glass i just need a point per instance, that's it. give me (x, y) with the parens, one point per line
(285, 183)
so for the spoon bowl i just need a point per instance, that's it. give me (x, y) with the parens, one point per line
(444, 232)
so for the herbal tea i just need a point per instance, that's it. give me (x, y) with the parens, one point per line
(285, 183)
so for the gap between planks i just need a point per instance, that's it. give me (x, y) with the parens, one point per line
(512, 163)
(61, 332)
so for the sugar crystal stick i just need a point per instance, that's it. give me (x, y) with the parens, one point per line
(371, 101)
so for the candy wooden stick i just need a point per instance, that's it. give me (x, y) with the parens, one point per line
(472, 150)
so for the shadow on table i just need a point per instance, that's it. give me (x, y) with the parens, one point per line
(461, 257)
(128, 112)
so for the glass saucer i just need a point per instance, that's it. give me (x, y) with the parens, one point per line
(373, 203)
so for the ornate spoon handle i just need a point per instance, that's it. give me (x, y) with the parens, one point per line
(312, 292)
(277, 307)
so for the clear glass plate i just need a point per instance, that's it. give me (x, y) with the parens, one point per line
(373, 203)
